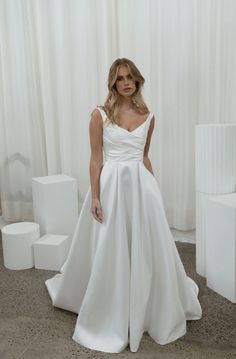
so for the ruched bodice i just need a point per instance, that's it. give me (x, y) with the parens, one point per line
(120, 144)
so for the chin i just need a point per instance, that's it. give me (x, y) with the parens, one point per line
(128, 94)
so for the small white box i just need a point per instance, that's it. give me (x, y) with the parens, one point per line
(50, 251)
(221, 245)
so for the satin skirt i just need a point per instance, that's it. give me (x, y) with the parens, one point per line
(124, 277)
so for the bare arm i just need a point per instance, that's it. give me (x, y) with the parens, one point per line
(146, 159)
(96, 161)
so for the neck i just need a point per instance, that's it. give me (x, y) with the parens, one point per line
(126, 103)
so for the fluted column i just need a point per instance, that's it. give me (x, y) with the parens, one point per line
(215, 165)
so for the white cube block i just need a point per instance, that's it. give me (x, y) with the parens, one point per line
(55, 204)
(17, 242)
(50, 251)
(221, 245)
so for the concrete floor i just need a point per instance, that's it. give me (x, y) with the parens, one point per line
(31, 328)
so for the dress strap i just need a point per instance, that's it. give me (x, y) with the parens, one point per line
(103, 113)
(150, 116)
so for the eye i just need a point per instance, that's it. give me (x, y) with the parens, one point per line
(129, 76)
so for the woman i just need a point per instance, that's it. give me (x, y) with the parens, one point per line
(123, 274)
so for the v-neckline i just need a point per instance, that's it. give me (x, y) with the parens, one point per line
(122, 128)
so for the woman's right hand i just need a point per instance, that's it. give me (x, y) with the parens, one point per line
(96, 210)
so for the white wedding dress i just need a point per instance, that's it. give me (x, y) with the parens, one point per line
(124, 276)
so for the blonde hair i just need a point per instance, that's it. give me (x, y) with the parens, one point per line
(113, 100)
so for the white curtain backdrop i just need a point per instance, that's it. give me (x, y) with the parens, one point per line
(54, 61)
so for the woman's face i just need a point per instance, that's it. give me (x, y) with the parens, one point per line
(125, 84)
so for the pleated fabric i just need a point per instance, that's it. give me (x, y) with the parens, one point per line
(124, 277)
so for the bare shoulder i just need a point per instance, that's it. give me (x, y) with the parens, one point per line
(96, 114)
(96, 118)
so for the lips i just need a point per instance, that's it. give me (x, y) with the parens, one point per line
(128, 88)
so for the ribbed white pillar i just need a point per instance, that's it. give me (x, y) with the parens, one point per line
(215, 165)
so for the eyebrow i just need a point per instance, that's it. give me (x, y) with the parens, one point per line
(123, 75)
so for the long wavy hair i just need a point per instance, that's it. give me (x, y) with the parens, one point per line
(113, 100)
